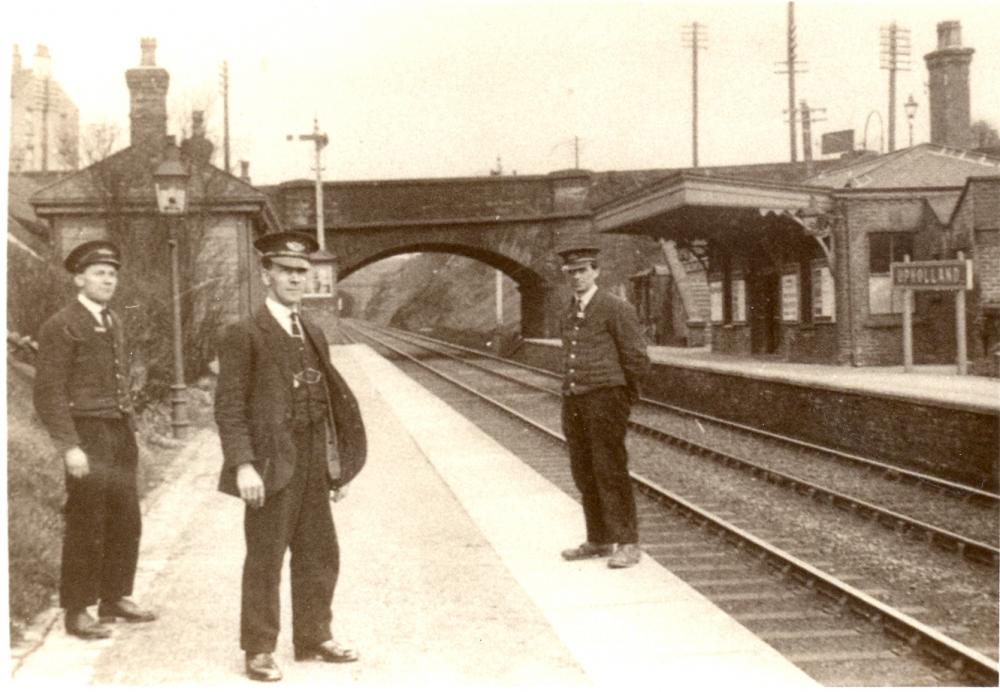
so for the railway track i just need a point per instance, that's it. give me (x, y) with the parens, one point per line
(801, 599)
(918, 505)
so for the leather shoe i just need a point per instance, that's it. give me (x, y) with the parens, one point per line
(626, 555)
(80, 624)
(261, 667)
(587, 550)
(329, 651)
(125, 609)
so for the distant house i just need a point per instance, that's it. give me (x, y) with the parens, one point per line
(44, 121)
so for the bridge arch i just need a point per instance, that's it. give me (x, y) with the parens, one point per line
(534, 287)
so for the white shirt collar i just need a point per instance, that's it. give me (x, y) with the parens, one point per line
(93, 307)
(585, 298)
(282, 313)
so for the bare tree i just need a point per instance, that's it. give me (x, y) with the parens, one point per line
(97, 142)
(985, 134)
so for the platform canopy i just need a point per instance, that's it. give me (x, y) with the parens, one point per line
(686, 206)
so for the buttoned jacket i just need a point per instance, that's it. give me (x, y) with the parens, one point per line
(253, 406)
(604, 347)
(82, 372)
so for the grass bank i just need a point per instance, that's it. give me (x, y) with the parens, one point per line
(36, 490)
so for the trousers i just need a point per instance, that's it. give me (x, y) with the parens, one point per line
(297, 518)
(594, 424)
(103, 523)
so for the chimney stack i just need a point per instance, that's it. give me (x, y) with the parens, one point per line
(147, 85)
(245, 171)
(948, 70)
(16, 62)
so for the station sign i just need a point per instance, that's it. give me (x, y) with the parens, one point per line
(937, 275)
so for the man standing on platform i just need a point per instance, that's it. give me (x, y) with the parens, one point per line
(82, 395)
(604, 358)
(291, 434)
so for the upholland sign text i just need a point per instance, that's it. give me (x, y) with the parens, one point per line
(943, 275)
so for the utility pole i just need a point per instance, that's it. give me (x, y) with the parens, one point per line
(225, 112)
(319, 140)
(895, 54)
(693, 36)
(790, 64)
(45, 125)
(576, 152)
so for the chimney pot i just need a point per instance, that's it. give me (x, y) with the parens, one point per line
(245, 171)
(148, 46)
(16, 64)
(949, 34)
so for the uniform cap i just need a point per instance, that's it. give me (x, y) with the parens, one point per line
(289, 249)
(92, 252)
(578, 255)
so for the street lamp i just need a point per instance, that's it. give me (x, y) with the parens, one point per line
(170, 179)
(911, 110)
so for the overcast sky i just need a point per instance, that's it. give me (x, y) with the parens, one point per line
(433, 89)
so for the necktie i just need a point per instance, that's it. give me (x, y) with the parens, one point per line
(578, 306)
(106, 319)
(296, 331)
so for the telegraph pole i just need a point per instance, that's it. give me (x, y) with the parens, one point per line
(790, 64)
(693, 37)
(225, 112)
(319, 140)
(895, 54)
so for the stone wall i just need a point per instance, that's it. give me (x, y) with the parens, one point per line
(956, 443)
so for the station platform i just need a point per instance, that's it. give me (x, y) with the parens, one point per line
(926, 384)
(450, 575)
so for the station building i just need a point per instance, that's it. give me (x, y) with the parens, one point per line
(801, 271)
(116, 199)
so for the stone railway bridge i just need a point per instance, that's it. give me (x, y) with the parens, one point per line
(511, 223)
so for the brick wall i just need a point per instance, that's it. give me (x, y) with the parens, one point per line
(955, 443)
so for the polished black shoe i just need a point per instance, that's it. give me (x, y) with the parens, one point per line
(262, 668)
(80, 624)
(587, 550)
(329, 651)
(124, 609)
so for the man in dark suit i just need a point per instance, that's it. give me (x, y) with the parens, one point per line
(604, 358)
(291, 434)
(83, 398)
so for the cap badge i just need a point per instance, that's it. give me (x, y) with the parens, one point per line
(296, 246)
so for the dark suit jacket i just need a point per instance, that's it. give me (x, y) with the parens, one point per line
(605, 348)
(253, 406)
(79, 374)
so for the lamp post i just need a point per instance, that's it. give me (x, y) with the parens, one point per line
(911, 110)
(171, 180)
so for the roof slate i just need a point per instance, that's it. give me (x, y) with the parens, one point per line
(923, 165)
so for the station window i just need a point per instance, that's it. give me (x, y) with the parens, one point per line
(883, 250)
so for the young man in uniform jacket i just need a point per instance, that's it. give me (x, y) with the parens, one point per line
(291, 434)
(82, 395)
(604, 359)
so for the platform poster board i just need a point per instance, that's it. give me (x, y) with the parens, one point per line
(790, 294)
(934, 275)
